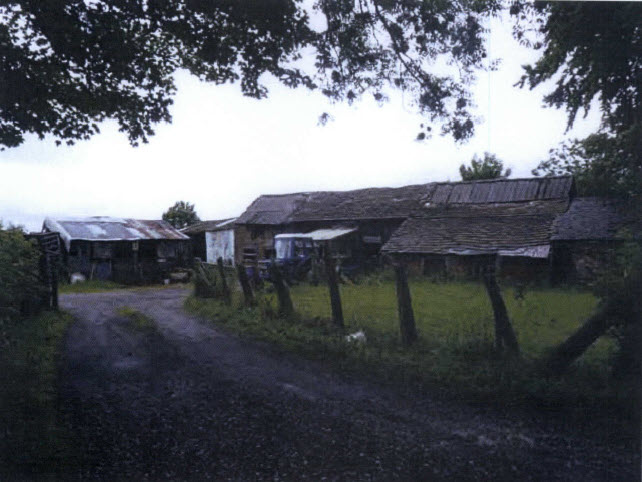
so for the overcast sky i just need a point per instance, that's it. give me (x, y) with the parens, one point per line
(222, 150)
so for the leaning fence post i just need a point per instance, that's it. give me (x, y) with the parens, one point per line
(248, 294)
(333, 286)
(404, 304)
(286, 309)
(227, 297)
(504, 334)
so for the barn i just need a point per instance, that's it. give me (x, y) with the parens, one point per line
(374, 213)
(118, 249)
(462, 225)
(587, 235)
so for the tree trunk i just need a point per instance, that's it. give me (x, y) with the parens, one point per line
(225, 289)
(248, 294)
(576, 344)
(286, 309)
(505, 339)
(623, 306)
(404, 304)
(333, 286)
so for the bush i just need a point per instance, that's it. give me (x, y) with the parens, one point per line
(21, 291)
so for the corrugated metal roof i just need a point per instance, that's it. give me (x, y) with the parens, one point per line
(503, 190)
(204, 226)
(319, 234)
(103, 228)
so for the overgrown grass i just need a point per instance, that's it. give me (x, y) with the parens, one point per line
(90, 286)
(455, 348)
(138, 321)
(96, 286)
(34, 442)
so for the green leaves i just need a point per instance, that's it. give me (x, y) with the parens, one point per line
(487, 168)
(69, 65)
(181, 215)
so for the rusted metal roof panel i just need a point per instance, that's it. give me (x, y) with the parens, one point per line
(502, 190)
(104, 228)
(209, 226)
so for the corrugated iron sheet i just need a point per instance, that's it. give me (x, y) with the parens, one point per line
(103, 228)
(502, 190)
(319, 234)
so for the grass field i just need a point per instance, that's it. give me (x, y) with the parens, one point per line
(455, 348)
(89, 286)
(33, 440)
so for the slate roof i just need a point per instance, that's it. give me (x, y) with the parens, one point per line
(204, 226)
(104, 228)
(272, 209)
(504, 216)
(472, 233)
(596, 219)
(371, 203)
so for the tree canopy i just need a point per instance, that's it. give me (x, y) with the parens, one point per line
(488, 167)
(181, 215)
(593, 53)
(71, 64)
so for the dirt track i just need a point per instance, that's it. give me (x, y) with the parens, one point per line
(191, 402)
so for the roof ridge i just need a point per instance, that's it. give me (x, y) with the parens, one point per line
(474, 181)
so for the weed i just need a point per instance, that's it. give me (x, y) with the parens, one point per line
(138, 320)
(34, 440)
(455, 348)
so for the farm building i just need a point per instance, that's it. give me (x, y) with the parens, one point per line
(532, 228)
(463, 223)
(374, 213)
(122, 250)
(213, 239)
(586, 235)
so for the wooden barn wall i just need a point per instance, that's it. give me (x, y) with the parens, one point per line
(119, 262)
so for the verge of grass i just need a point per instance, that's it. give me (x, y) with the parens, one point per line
(139, 321)
(96, 286)
(34, 442)
(90, 286)
(454, 353)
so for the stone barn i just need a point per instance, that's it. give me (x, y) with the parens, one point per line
(585, 237)
(462, 225)
(122, 250)
(375, 213)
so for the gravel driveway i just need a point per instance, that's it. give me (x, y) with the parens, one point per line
(188, 401)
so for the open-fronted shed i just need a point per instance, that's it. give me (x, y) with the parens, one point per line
(510, 219)
(121, 249)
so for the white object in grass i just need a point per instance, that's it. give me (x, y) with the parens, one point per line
(357, 337)
(77, 278)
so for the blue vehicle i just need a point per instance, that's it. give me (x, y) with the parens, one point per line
(295, 253)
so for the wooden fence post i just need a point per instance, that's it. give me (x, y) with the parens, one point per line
(504, 335)
(286, 309)
(333, 286)
(404, 304)
(225, 289)
(248, 294)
